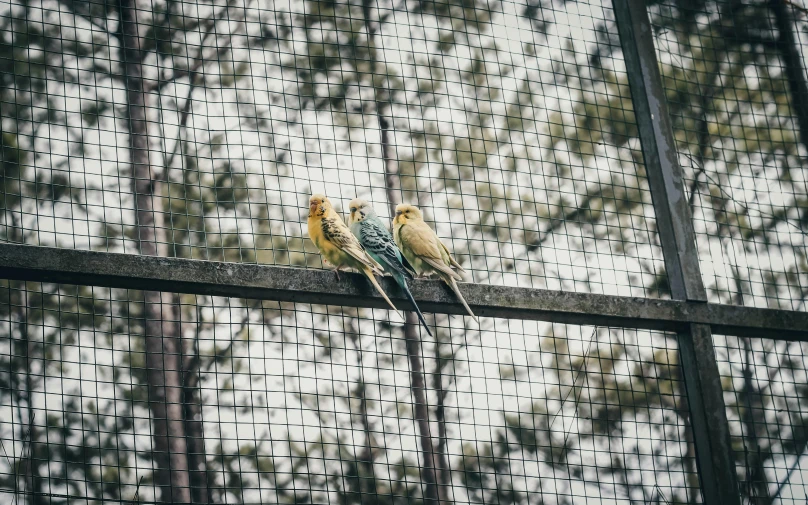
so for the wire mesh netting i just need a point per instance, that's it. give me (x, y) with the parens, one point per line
(733, 82)
(765, 383)
(509, 122)
(199, 129)
(314, 404)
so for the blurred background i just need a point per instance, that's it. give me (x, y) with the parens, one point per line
(199, 129)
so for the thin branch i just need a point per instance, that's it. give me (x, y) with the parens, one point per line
(136, 497)
(368, 455)
(195, 81)
(208, 365)
(443, 469)
(799, 8)
(745, 208)
(199, 60)
(432, 493)
(782, 485)
(87, 17)
(574, 381)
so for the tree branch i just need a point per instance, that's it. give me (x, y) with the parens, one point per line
(196, 63)
(796, 7)
(791, 469)
(195, 80)
(368, 455)
(87, 17)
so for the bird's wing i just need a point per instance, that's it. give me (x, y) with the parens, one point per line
(407, 266)
(336, 232)
(442, 267)
(420, 239)
(376, 239)
(448, 256)
(423, 242)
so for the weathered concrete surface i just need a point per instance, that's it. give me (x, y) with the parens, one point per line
(322, 287)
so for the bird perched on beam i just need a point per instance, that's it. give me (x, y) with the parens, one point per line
(424, 250)
(379, 244)
(338, 245)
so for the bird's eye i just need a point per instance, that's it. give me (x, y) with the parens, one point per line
(353, 209)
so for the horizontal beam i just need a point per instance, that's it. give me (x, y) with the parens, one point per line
(285, 284)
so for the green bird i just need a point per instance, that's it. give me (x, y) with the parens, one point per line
(379, 244)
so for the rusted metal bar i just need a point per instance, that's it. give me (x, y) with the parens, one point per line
(708, 416)
(129, 271)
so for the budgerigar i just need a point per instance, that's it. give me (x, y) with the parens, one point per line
(379, 244)
(424, 250)
(338, 245)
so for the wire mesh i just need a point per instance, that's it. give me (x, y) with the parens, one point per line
(319, 404)
(737, 95)
(509, 122)
(199, 130)
(765, 396)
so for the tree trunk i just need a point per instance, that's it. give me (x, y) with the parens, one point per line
(435, 469)
(432, 494)
(390, 174)
(33, 478)
(162, 346)
(757, 482)
(792, 58)
(166, 400)
(367, 456)
(444, 473)
(201, 491)
(749, 405)
(436, 488)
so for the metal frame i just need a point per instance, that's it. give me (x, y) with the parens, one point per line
(688, 314)
(284, 284)
(708, 415)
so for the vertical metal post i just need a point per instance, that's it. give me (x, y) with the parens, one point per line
(708, 417)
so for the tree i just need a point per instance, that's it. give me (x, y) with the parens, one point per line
(97, 34)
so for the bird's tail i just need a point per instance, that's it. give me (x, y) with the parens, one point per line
(403, 283)
(369, 274)
(452, 284)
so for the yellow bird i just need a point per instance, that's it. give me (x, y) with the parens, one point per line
(424, 250)
(338, 245)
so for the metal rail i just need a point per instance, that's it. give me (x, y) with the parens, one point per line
(708, 415)
(285, 284)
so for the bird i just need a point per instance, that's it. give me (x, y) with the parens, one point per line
(424, 251)
(338, 245)
(378, 242)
